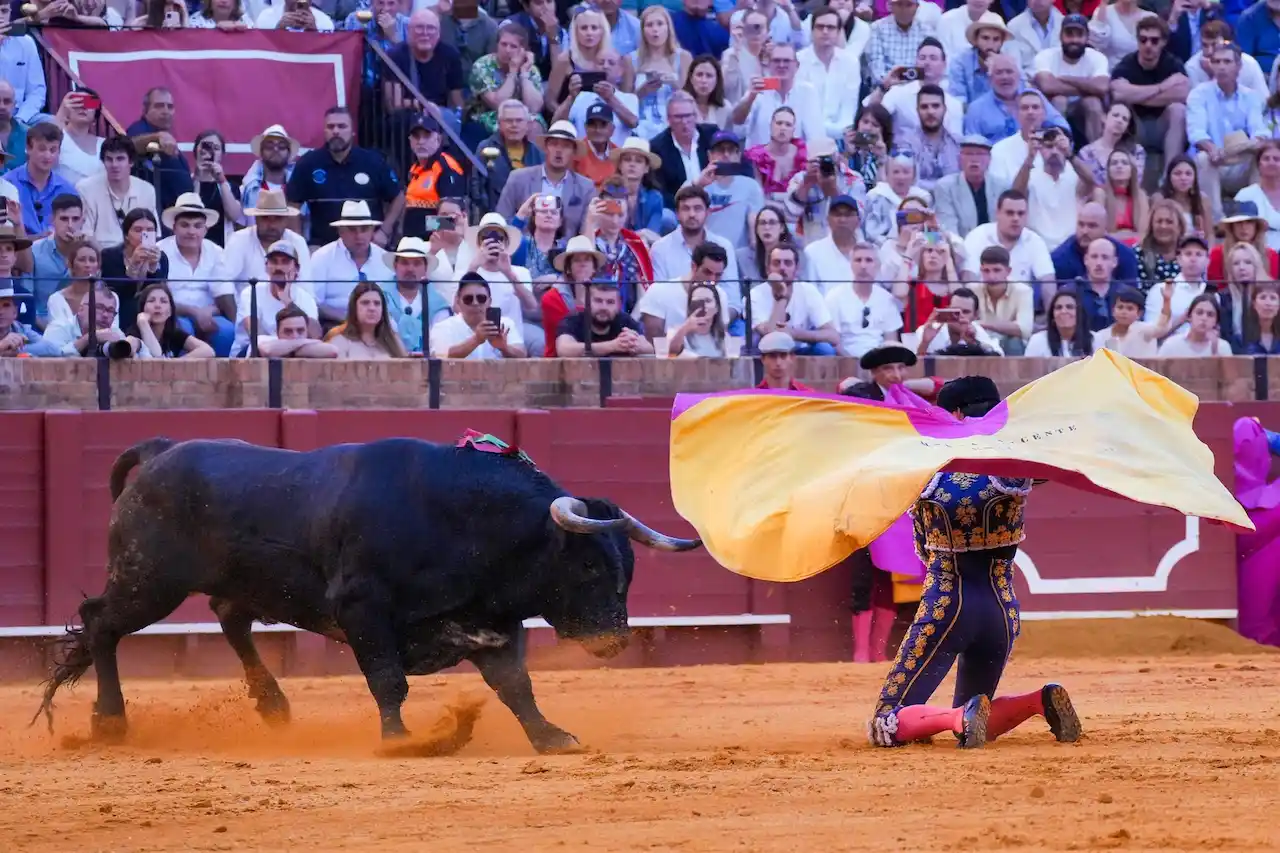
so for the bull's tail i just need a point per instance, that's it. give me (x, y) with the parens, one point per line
(140, 454)
(72, 658)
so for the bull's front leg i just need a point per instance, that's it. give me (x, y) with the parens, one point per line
(504, 670)
(366, 620)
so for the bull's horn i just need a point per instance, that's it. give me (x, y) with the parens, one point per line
(646, 535)
(572, 515)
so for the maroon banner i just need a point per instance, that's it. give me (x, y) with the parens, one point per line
(236, 83)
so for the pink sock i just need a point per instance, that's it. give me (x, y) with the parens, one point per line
(919, 722)
(862, 637)
(1009, 712)
(881, 628)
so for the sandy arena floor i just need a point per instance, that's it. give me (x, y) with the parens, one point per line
(1182, 753)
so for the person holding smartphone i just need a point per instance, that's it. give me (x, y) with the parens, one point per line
(216, 190)
(129, 267)
(732, 186)
(478, 329)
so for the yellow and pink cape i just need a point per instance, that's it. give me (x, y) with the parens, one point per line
(782, 485)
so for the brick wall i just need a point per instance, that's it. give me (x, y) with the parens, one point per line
(535, 383)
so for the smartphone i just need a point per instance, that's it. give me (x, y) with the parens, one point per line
(827, 165)
(89, 102)
(590, 79)
(701, 306)
(912, 216)
(772, 84)
(432, 223)
(910, 75)
(546, 202)
(613, 206)
(149, 239)
(726, 169)
(864, 139)
(493, 315)
(948, 315)
(934, 238)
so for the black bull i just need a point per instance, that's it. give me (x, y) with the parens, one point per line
(416, 555)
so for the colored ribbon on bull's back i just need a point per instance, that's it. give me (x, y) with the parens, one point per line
(782, 485)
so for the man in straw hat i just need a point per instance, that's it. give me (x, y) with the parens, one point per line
(492, 242)
(967, 75)
(280, 289)
(276, 150)
(953, 26)
(245, 255)
(413, 262)
(337, 267)
(205, 305)
(555, 177)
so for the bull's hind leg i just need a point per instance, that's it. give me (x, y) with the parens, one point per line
(237, 627)
(123, 609)
(504, 670)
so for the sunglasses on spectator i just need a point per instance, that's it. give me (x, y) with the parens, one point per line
(866, 317)
(1150, 39)
(474, 298)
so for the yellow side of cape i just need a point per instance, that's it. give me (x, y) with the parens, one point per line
(781, 487)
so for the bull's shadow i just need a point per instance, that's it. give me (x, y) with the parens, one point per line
(417, 555)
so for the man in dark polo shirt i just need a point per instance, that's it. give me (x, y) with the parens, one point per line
(613, 333)
(341, 171)
(167, 169)
(1154, 85)
(433, 67)
(777, 352)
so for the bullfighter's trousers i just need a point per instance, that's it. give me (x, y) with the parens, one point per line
(967, 610)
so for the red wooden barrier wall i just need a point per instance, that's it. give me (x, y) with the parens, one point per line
(1084, 554)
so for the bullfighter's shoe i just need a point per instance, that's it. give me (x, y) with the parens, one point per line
(1063, 720)
(974, 721)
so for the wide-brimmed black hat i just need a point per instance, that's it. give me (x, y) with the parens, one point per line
(887, 354)
(968, 393)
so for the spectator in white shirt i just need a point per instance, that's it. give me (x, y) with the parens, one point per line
(336, 268)
(109, 195)
(897, 183)
(1129, 335)
(1075, 77)
(71, 333)
(766, 94)
(478, 329)
(225, 15)
(280, 289)
(291, 339)
(294, 15)
(1203, 336)
(245, 255)
(1037, 28)
(862, 312)
(827, 260)
(833, 73)
(1007, 308)
(955, 330)
(783, 304)
(673, 254)
(1055, 183)
(897, 92)
(204, 306)
(1028, 255)
(664, 307)
(511, 287)
(1193, 259)
(1200, 71)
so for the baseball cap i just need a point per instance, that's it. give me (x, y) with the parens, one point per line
(425, 122)
(1078, 21)
(1196, 239)
(599, 112)
(282, 247)
(975, 140)
(846, 201)
(777, 342)
(725, 137)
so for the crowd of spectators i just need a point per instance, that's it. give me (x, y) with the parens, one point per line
(681, 179)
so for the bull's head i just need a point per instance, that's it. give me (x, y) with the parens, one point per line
(599, 560)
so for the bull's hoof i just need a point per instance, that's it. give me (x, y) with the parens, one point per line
(108, 729)
(394, 730)
(556, 741)
(274, 710)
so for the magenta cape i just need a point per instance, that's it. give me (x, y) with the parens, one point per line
(1258, 553)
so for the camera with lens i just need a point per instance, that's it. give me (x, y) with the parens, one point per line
(115, 350)
(910, 75)
(827, 166)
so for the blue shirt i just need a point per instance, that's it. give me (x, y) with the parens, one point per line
(1258, 35)
(966, 79)
(170, 175)
(1212, 114)
(17, 146)
(36, 345)
(700, 35)
(988, 116)
(1097, 308)
(1068, 263)
(37, 204)
(50, 274)
(20, 65)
